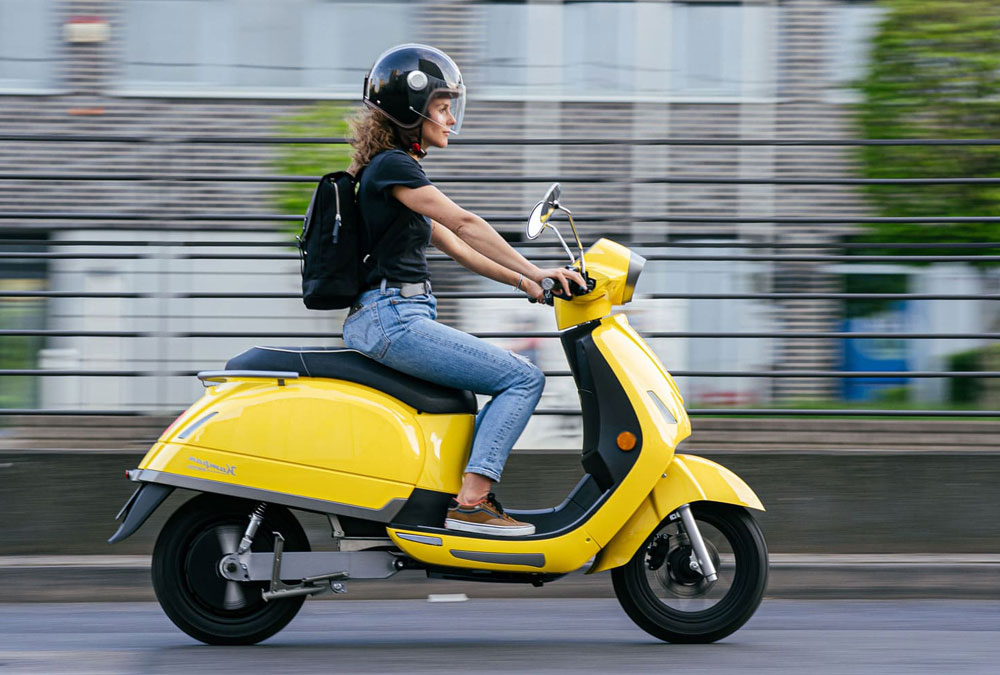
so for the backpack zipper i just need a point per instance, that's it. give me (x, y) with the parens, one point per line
(336, 219)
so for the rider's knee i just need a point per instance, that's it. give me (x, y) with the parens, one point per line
(531, 376)
(535, 379)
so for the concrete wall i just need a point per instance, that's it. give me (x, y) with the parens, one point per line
(829, 486)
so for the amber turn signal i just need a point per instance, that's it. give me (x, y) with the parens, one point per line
(626, 440)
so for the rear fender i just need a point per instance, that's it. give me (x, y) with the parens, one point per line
(139, 507)
(687, 479)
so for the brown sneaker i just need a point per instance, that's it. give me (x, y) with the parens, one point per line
(486, 517)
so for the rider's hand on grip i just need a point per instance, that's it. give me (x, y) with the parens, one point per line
(583, 290)
(547, 297)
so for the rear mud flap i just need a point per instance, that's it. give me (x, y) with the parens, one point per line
(139, 507)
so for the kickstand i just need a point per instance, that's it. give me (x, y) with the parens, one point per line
(280, 589)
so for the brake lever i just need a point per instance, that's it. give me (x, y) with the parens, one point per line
(583, 290)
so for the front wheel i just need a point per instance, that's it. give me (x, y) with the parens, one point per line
(186, 578)
(661, 591)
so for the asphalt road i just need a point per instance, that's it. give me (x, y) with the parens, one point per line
(507, 636)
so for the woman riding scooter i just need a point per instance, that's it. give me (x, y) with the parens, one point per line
(415, 99)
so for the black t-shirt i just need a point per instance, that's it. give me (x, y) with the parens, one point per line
(399, 236)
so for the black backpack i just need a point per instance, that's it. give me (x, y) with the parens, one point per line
(333, 244)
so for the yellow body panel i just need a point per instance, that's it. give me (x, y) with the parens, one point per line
(317, 438)
(563, 554)
(622, 349)
(277, 476)
(447, 441)
(687, 479)
(607, 263)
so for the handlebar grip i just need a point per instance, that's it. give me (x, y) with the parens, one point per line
(548, 299)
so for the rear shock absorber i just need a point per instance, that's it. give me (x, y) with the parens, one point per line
(255, 521)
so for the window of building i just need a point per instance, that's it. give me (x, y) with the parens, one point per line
(19, 312)
(27, 46)
(854, 27)
(627, 49)
(572, 49)
(310, 48)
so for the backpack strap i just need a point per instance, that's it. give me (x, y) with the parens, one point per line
(312, 203)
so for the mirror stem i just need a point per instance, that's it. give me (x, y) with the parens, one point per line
(583, 270)
(563, 242)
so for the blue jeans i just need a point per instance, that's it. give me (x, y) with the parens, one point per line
(402, 333)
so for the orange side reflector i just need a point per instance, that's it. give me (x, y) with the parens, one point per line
(626, 440)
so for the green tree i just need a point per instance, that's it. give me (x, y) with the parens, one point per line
(934, 73)
(321, 120)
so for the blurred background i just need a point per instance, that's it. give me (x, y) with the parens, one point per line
(814, 184)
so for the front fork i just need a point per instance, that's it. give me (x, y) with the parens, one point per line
(701, 561)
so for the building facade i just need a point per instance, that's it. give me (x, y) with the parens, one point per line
(169, 71)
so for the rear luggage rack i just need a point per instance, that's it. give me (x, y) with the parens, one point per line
(210, 378)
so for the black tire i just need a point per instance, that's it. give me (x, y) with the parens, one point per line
(659, 600)
(187, 582)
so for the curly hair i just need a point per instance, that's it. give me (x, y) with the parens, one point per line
(372, 133)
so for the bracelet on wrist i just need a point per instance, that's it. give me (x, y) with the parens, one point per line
(520, 280)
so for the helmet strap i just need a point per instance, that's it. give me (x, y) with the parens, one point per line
(412, 141)
(417, 147)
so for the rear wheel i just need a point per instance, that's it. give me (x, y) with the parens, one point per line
(668, 599)
(186, 578)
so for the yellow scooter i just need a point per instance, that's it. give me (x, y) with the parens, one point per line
(381, 454)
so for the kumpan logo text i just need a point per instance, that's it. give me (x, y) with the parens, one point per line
(199, 464)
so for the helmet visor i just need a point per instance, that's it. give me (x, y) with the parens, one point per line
(433, 110)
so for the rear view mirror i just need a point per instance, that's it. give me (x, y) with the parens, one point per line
(543, 210)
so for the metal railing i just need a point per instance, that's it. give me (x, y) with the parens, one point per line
(761, 251)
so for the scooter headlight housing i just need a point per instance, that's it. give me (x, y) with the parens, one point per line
(635, 264)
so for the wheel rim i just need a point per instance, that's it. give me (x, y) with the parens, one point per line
(675, 588)
(206, 589)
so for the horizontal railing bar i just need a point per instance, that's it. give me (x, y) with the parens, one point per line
(44, 372)
(340, 140)
(815, 335)
(148, 216)
(148, 243)
(798, 412)
(486, 295)
(651, 257)
(844, 412)
(165, 217)
(791, 374)
(784, 374)
(508, 179)
(77, 294)
(521, 244)
(35, 255)
(58, 412)
(816, 296)
(693, 412)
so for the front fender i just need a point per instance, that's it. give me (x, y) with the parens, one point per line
(687, 479)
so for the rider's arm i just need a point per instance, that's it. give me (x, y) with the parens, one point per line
(451, 245)
(476, 232)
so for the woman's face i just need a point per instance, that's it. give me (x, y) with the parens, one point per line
(436, 135)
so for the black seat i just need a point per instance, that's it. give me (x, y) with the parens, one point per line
(353, 366)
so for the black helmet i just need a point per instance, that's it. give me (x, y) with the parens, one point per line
(404, 79)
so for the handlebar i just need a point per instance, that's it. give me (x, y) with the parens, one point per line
(548, 285)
